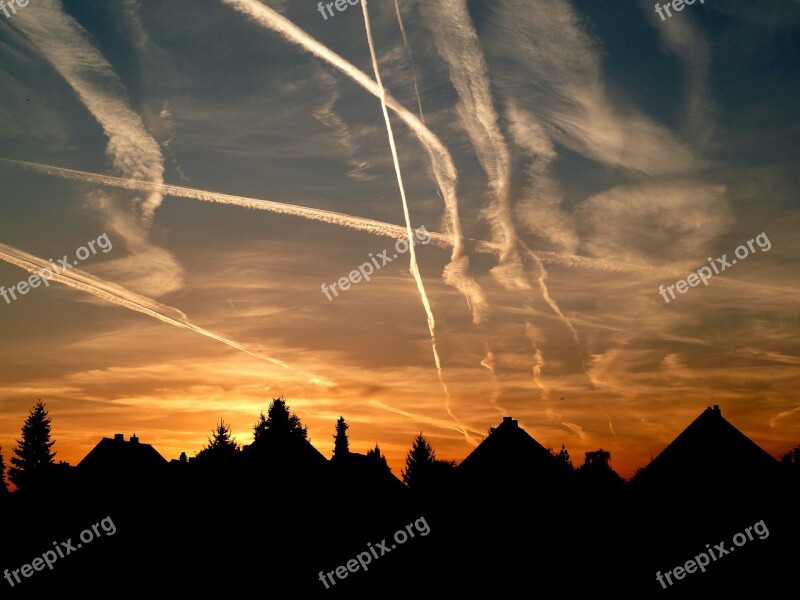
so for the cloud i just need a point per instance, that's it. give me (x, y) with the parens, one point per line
(131, 149)
(539, 208)
(552, 68)
(326, 115)
(683, 38)
(654, 223)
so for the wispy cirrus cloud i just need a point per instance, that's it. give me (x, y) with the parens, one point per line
(132, 150)
(683, 38)
(554, 70)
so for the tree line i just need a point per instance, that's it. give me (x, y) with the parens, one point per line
(34, 459)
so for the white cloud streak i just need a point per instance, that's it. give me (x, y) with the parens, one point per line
(553, 69)
(444, 170)
(119, 296)
(133, 152)
(409, 230)
(380, 228)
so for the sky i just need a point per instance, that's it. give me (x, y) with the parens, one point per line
(566, 159)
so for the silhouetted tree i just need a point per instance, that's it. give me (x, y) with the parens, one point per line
(597, 459)
(221, 446)
(3, 485)
(33, 460)
(793, 456)
(419, 463)
(597, 471)
(376, 458)
(341, 446)
(563, 456)
(279, 421)
(792, 459)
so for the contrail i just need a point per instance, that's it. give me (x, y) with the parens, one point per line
(556, 309)
(120, 296)
(372, 226)
(538, 359)
(409, 231)
(65, 44)
(458, 44)
(133, 152)
(488, 363)
(410, 58)
(324, 216)
(444, 170)
(415, 416)
(460, 47)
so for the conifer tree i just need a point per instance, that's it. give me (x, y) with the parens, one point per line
(376, 458)
(419, 463)
(279, 422)
(3, 485)
(563, 456)
(221, 446)
(341, 445)
(33, 460)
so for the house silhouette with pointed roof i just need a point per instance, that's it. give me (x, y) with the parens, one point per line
(709, 452)
(511, 457)
(285, 451)
(117, 459)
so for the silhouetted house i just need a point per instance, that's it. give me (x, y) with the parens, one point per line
(709, 453)
(116, 459)
(285, 453)
(361, 474)
(182, 462)
(510, 459)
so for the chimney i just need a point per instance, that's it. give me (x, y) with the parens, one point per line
(717, 411)
(509, 422)
(183, 457)
(134, 439)
(119, 437)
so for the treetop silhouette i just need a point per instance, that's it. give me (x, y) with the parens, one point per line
(33, 458)
(279, 422)
(563, 456)
(419, 462)
(221, 446)
(379, 460)
(341, 445)
(3, 484)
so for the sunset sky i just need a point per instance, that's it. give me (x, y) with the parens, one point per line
(574, 156)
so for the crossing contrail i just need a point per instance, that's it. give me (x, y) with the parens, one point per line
(132, 150)
(444, 170)
(461, 49)
(458, 44)
(372, 226)
(409, 231)
(119, 296)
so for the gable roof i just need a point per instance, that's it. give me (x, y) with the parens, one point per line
(117, 455)
(510, 452)
(709, 448)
